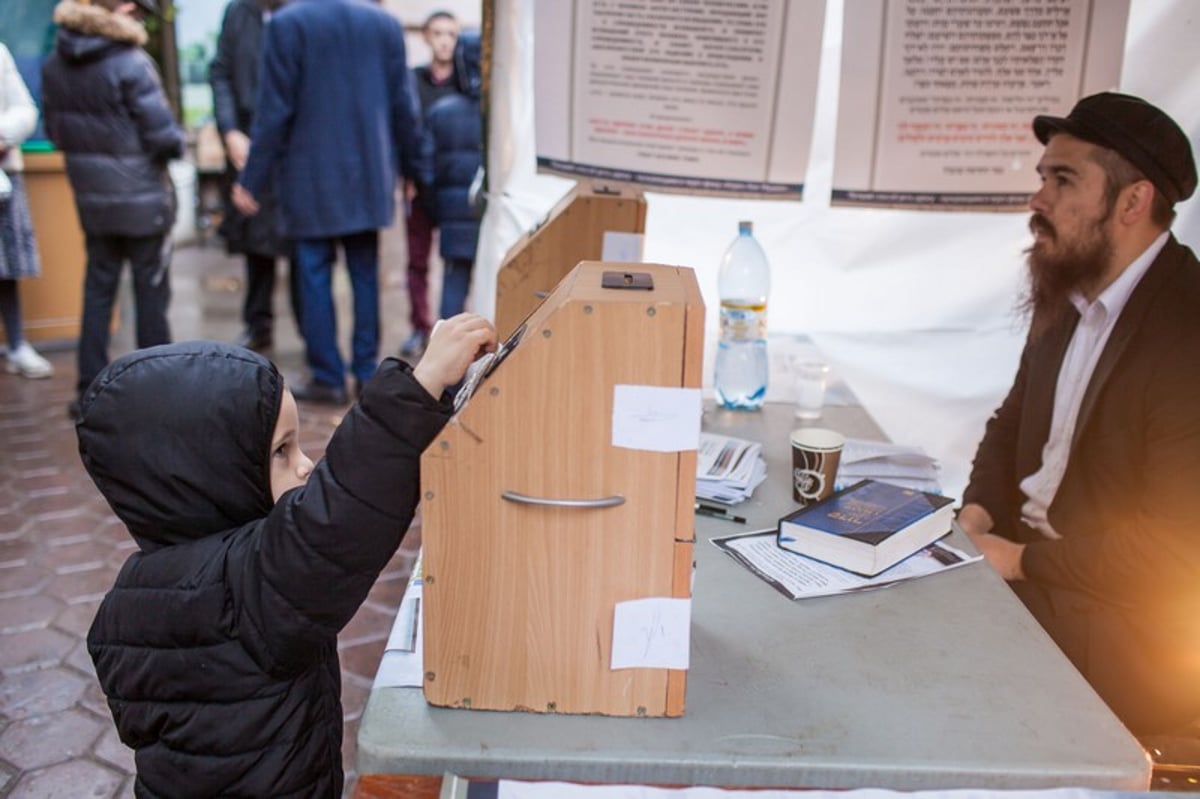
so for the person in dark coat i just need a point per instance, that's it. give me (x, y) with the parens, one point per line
(104, 107)
(434, 81)
(1083, 490)
(217, 645)
(453, 144)
(233, 75)
(336, 118)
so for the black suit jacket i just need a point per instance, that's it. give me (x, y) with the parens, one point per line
(1120, 592)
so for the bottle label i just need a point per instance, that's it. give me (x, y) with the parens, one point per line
(743, 321)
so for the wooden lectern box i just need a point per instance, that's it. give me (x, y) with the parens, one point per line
(534, 526)
(573, 231)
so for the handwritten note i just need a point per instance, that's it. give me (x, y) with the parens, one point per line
(656, 418)
(652, 633)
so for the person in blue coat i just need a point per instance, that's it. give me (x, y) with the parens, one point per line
(336, 116)
(453, 145)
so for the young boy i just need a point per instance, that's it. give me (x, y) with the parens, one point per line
(217, 646)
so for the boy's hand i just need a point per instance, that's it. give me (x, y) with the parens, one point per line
(453, 345)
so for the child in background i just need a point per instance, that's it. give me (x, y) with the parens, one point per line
(433, 81)
(217, 646)
(452, 147)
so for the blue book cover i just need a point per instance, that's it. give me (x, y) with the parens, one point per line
(868, 511)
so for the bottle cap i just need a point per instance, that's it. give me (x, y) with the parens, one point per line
(745, 227)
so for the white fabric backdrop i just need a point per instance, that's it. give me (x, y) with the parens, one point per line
(915, 310)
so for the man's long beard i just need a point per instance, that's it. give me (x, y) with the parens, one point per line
(1054, 275)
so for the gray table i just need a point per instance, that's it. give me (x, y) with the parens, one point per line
(944, 682)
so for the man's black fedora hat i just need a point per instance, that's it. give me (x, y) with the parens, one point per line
(1143, 134)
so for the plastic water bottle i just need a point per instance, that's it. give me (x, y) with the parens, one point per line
(743, 283)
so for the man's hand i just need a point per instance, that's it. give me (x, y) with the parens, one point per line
(237, 149)
(974, 519)
(453, 345)
(1003, 555)
(243, 200)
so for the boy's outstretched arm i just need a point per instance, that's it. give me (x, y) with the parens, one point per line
(321, 548)
(453, 345)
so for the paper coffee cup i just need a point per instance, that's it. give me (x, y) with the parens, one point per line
(816, 453)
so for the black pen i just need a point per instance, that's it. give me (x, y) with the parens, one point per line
(718, 513)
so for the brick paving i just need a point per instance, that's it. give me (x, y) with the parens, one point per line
(61, 547)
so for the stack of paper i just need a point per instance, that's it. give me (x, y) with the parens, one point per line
(798, 577)
(402, 664)
(728, 469)
(893, 463)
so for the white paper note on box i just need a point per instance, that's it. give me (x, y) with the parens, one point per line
(656, 418)
(621, 247)
(652, 633)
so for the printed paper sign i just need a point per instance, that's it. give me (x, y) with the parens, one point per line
(702, 97)
(938, 115)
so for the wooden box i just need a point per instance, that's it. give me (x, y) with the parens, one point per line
(573, 231)
(52, 305)
(519, 598)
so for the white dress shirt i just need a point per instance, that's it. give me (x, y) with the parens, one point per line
(1096, 321)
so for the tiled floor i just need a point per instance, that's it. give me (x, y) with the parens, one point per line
(61, 547)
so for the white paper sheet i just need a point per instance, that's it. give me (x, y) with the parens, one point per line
(512, 789)
(652, 633)
(621, 247)
(402, 664)
(900, 464)
(656, 418)
(798, 577)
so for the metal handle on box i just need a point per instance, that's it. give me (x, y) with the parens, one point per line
(603, 502)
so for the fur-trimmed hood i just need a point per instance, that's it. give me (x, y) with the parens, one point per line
(86, 30)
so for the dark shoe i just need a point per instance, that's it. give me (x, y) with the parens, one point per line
(414, 345)
(255, 340)
(321, 393)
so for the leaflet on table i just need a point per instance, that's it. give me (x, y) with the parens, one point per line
(402, 663)
(798, 577)
(728, 469)
(900, 464)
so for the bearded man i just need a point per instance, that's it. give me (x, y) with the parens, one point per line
(1085, 491)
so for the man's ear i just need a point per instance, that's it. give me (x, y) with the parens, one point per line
(1135, 201)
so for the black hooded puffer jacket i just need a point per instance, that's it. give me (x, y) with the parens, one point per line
(217, 646)
(104, 107)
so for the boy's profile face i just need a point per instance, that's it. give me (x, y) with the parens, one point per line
(290, 467)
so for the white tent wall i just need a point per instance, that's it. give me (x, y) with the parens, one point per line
(917, 311)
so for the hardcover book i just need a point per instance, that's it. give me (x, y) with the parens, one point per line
(867, 527)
